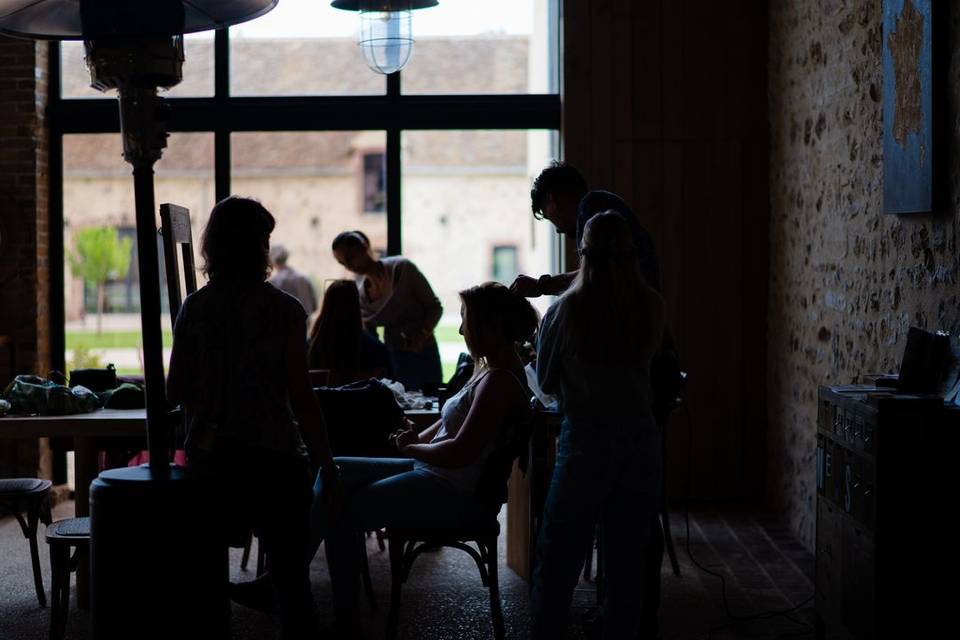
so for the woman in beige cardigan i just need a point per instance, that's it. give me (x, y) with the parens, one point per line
(395, 295)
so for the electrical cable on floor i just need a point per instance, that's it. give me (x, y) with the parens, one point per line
(723, 581)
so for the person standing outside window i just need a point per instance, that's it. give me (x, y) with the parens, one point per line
(287, 279)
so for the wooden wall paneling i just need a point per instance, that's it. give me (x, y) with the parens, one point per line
(700, 106)
(647, 179)
(730, 349)
(738, 114)
(669, 237)
(623, 180)
(622, 64)
(576, 80)
(599, 171)
(755, 265)
(706, 383)
(648, 76)
(673, 119)
(672, 77)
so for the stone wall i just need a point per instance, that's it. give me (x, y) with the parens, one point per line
(846, 281)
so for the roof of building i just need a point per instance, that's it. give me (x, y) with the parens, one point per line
(479, 64)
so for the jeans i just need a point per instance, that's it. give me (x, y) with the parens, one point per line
(606, 473)
(381, 492)
(269, 491)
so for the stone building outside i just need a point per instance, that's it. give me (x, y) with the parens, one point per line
(466, 215)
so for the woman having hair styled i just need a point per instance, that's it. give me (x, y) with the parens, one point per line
(595, 347)
(254, 427)
(395, 295)
(436, 483)
(338, 342)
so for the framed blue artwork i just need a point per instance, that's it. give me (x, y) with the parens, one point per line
(911, 93)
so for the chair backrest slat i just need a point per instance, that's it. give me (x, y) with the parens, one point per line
(177, 233)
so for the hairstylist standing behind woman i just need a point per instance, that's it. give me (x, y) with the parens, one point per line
(595, 347)
(395, 295)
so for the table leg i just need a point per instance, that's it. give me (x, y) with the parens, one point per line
(85, 470)
(518, 523)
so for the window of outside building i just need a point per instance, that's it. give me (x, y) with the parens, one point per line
(308, 181)
(464, 192)
(443, 173)
(374, 182)
(505, 265)
(98, 195)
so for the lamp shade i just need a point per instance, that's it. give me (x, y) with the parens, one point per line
(386, 34)
(382, 5)
(71, 19)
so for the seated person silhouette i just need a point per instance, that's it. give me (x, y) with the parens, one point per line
(436, 484)
(338, 342)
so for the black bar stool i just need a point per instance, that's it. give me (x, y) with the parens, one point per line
(62, 536)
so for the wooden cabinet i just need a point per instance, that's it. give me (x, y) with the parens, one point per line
(885, 478)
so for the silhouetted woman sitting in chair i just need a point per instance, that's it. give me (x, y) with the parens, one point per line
(436, 484)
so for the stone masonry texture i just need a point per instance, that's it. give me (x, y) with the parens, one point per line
(846, 280)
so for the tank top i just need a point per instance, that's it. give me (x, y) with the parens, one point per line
(452, 417)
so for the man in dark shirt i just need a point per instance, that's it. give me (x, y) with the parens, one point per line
(560, 195)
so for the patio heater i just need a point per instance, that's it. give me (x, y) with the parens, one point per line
(136, 514)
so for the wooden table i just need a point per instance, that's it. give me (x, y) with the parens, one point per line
(91, 432)
(88, 431)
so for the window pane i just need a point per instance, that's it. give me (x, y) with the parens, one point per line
(498, 46)
(466, 206)
(302, 47)
(99, 213)
(315, 185)
(197, 70)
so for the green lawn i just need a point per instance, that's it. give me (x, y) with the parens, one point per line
(448, 333)
(109, 339)
(131, 340)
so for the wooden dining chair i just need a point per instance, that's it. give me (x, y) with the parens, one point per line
(478, 538)
(177, 235)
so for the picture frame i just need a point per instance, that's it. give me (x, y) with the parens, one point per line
(912, 111)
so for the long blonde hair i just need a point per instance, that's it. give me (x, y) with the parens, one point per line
(614, 314)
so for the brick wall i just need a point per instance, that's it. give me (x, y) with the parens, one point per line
(24, 250)
(846, 280)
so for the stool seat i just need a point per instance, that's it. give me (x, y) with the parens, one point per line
(63, 535)
(16, 487)
(30, 495)
(72, 531)
(486, 527)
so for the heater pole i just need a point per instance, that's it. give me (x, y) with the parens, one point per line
(143, 141)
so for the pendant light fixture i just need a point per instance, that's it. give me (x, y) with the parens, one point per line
(386, 31)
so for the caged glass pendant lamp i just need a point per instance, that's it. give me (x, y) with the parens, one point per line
(386, 31)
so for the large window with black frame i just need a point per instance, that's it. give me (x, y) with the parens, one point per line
(434, 161)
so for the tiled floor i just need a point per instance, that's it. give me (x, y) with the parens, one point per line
(765, 570)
